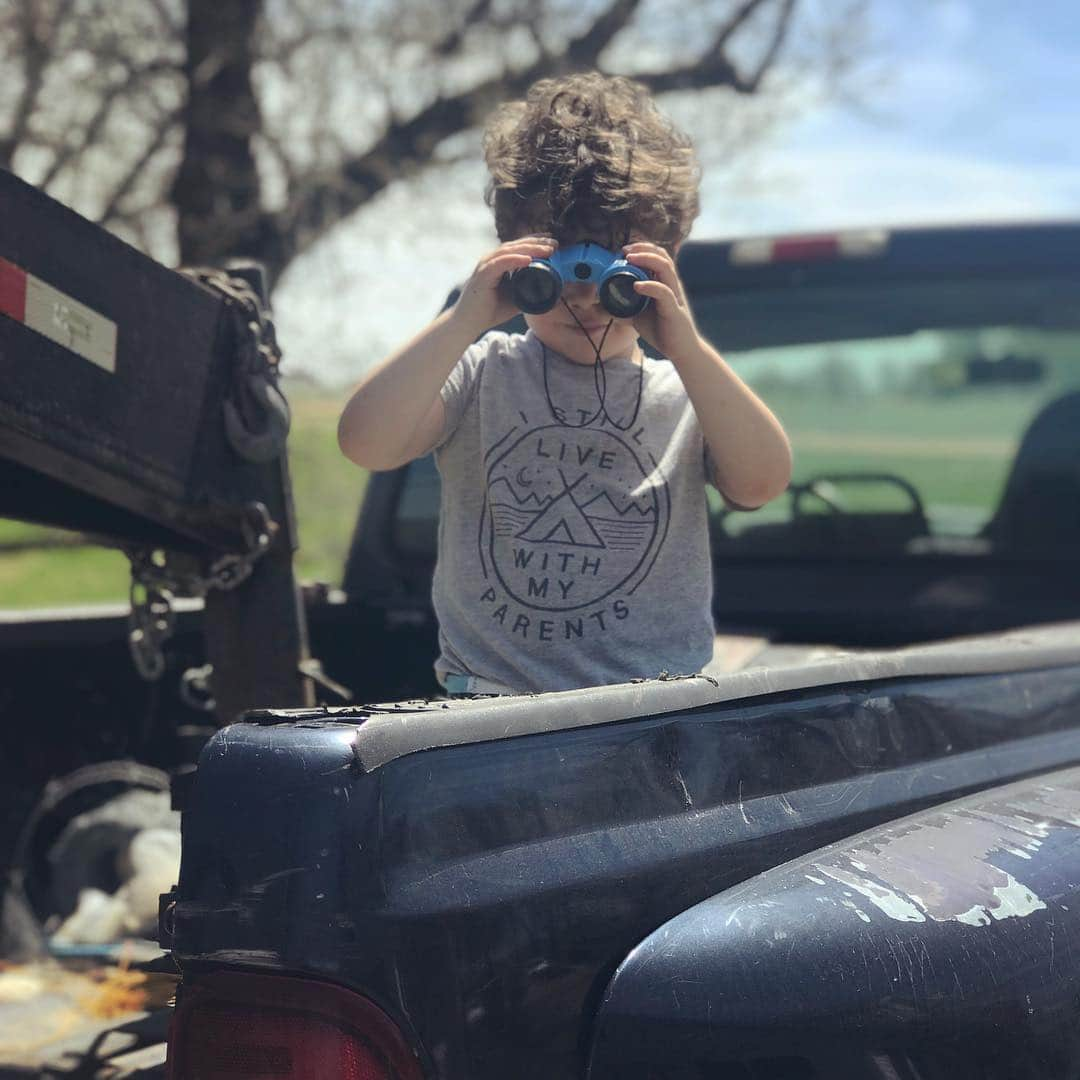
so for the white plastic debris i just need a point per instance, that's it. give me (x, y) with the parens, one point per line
(97, 919)
(151, 863)
(154, 857)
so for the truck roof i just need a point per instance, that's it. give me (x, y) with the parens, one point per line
(849, 255)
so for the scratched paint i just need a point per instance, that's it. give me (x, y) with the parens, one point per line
(944, 867)
(858, 910)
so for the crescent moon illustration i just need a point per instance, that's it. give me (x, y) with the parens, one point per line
(521, 479)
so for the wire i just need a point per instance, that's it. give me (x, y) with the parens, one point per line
(599, 380)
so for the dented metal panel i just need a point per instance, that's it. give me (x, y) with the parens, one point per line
(943, 944)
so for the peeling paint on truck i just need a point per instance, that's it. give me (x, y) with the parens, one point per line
(948, 867)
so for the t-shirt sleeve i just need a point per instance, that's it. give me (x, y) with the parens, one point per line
(460, 387)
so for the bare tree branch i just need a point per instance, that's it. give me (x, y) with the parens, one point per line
(585, 50)
(284, 51)
(295, 118)
(35, 44)
(780, 33)
(452, 41)
(170, 21)
(130, 178)
(736, 23)
(134, 224)
(321, 201)
(715, 68)
(282, 160)
(404, 147)
(69, 152)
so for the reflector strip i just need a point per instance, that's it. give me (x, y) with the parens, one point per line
(57, 316)
(860, 244)
(12, 291)
(812, 247)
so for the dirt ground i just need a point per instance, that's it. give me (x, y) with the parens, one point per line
(84, 1018)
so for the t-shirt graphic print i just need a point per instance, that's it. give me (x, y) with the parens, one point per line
(572, 517)
(573, 541)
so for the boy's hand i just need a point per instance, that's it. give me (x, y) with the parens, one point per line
(667, 323)
(485, 298)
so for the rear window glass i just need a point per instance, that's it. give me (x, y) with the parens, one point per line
(951, 429)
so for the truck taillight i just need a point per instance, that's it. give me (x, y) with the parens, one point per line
(232, 1025)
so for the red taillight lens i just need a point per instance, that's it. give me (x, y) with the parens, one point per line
(261, 1027)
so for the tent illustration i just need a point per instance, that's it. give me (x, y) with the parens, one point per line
(563, 521)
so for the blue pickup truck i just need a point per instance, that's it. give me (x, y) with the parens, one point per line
(849, 849)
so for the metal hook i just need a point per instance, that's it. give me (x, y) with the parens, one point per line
(263, 446)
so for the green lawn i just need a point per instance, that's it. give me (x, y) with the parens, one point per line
(954, 451)
(327, 491)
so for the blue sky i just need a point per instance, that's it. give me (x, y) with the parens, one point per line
(978, 119)
(974, 116)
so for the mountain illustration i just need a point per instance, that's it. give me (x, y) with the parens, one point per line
(599, 503)
(562, 523)
(519, 500)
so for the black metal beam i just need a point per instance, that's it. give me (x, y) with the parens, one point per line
(122, 425)
(114, 372)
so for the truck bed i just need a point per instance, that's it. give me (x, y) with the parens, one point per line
(480, 868)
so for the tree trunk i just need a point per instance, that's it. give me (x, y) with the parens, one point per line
(216, 189)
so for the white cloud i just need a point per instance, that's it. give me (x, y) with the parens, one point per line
(882, 182)
(933, 86)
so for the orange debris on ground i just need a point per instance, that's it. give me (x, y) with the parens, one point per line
(118, 992)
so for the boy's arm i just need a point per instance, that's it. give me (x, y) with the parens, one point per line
(751, 454)
(396, 413)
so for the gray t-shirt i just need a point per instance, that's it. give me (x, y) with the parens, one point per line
(573, 532)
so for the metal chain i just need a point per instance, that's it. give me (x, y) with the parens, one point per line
(258, 345)
(157, 578)
(256, 413)
(150, 624)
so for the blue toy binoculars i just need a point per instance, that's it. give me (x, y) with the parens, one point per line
(536, 288)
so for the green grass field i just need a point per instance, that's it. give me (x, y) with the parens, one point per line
(327, 490)
(956, 452)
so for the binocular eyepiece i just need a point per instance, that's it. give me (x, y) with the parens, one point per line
(536, 288)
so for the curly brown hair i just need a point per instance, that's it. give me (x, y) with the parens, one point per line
(590, 155)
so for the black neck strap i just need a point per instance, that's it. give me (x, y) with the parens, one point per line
(599, 380)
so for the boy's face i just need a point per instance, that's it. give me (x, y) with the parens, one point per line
(579, 303)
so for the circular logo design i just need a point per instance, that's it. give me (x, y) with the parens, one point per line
(571, 516)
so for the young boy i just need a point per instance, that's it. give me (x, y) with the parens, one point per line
(573, 536)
